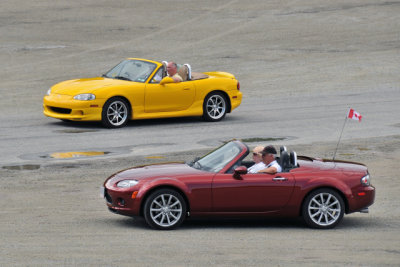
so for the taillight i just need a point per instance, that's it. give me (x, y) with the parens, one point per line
(238, 86)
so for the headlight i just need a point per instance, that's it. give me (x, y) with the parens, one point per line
(48, 92)
(127, 183)
(366, 180)
(85, 97)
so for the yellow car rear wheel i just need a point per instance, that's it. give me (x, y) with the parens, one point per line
(215, 106)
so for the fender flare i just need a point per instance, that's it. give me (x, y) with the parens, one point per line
(163, 182)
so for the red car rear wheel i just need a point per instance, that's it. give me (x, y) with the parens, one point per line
(323, 209)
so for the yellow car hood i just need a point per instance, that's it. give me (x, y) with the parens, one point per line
(80, 86)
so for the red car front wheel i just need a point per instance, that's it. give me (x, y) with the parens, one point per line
(164, 209)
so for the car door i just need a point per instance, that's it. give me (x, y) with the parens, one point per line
(169, 97)
(259, 192)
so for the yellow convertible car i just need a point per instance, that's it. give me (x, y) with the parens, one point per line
(140, 89)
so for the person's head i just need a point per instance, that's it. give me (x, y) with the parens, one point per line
(268, 154)
(172, 68)
(257, 153)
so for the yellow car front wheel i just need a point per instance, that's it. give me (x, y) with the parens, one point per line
(115, 113)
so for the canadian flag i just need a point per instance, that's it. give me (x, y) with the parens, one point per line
(354, 115)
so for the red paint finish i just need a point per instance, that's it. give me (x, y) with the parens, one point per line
(254, 193)
(218, 191)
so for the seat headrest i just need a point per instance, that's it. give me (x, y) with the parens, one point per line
(183, 72)
(189, 71)
(165, 63)
(293, 159)
(284, 160)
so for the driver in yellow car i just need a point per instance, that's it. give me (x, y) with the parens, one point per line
(172, 71)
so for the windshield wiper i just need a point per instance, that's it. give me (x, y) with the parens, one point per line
(122, 78)
(198, 165)
(192, 162)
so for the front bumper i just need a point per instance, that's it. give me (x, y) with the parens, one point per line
(121, 202)
(66, 108)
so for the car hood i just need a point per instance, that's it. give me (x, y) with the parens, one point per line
(88, 85)
(155, 171)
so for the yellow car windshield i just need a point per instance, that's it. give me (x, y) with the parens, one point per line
(131, 70)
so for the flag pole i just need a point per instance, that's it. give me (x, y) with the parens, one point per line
(340, 137)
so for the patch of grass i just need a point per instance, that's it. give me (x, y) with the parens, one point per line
(28, 167)
(347, 154)
(262, 139)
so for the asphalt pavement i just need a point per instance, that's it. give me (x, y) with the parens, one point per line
(301, 66)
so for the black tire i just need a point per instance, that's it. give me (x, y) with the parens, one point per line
(164, 209)
(214, 107)
(323, 209)
(115, 113)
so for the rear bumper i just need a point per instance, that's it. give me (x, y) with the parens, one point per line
(362, 198)
(236, 99)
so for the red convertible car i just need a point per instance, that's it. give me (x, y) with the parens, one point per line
(218, 184)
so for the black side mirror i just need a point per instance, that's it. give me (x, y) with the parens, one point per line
(239, 171)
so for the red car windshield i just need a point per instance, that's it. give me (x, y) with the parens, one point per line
(216, 160)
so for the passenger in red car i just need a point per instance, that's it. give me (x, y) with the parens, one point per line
(268, 157)
(257, 158)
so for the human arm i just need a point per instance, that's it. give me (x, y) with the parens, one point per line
(270, 170)
(177, 78)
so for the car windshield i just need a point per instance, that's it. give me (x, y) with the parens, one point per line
(131, 70)
(216, 160)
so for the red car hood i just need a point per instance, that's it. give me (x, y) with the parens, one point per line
(155, 171)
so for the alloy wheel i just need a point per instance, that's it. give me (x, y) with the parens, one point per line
(117, 113)
(166, 210)
(324, 209)
(216, 107)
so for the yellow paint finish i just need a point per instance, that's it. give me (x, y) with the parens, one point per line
(155, 157)
(64, 155)
(147, 99)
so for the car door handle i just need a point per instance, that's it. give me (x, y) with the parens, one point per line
(279, 179)
(186, 88)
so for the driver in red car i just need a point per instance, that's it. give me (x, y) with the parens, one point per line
(268, 157)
